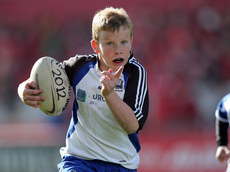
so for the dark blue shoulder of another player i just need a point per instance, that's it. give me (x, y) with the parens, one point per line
(74, 64)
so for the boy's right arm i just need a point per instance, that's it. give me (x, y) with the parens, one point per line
(29, 94)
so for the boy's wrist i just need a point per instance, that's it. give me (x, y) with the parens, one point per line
(110, 95)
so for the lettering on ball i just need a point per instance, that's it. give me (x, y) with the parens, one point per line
(59, 82)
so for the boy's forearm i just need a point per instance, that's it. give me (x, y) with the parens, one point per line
(122, 112)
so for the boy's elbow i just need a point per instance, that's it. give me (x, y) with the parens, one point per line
(132, 129)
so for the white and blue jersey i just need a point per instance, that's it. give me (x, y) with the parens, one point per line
(94, 133)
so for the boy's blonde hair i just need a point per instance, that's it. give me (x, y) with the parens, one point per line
(110, 19)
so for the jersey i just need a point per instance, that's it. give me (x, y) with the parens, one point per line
(222, 120)
(223, 109)
(94, 132)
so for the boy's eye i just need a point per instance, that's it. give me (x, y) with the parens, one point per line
(109, 43)
(124, 42)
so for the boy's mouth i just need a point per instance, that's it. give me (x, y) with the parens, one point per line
(118, 60)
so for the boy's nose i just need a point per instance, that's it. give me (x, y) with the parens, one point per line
(118, 49)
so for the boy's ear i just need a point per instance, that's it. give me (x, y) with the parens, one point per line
(94, 46)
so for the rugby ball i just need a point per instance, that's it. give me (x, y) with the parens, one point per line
(50, 76)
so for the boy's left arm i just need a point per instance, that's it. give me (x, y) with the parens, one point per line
(121, 111)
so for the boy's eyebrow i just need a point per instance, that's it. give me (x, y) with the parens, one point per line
(107, 38)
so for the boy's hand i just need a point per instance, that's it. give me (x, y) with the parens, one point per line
(109, 81)
(29, 94)
(222, 154)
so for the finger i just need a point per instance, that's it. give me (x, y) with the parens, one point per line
(118, 72)
(34, 92)
(107, 83)
(110, 70)
(104, 80)
(34, 104)
(31, 85)
(28, 93)
(108, 74)
(35, 98)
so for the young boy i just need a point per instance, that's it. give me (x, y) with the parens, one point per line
(222, 124)
(111, 99)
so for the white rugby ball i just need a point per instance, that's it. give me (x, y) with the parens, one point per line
(50, 76)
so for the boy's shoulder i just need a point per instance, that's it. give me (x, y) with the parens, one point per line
(79, 59)
(134, 65)
(76, 63)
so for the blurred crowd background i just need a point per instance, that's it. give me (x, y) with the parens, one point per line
(184, 45)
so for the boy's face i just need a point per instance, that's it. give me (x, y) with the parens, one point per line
(113, 48)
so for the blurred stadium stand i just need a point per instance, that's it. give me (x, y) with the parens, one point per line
(184, 45)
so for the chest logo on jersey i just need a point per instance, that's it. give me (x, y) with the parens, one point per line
(98, 97)
(119, 86)
(81, 95)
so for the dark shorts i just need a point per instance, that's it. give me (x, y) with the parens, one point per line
(74, 164)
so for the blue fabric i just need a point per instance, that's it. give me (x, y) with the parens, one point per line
(78, 77)
(126, 79)
(222, 106)
(74, 119)
(222, 111)
(74, 164)
(81, 73)
(135, 141)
